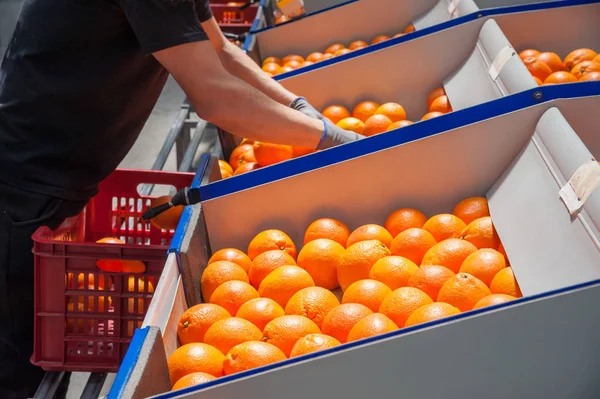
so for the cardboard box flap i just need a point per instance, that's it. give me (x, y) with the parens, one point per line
(493, 70)
(445, 10)
(548, 249)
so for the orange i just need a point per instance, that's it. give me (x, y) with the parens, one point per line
(590, 76)
(504, 282)
(134, 284)
(528, 53)
(431, 312)
(272, 59)
(268, 154)
(370, 232)
(285, 331)
(227, 333)
(217, 273)
(585, 67)
(250, 355)
(336, 113)
(503, 251)
(441, 104)
(313, 343)
(484, 264)
(232, 255)
(552, 60)
(289, 58)
(313, 303)
(271, 239)
(399, 124)
(224, 165)
(340, 320)
(494, 299)
(539, 82)
(393, 271)
(243, 153)
(246, 141)
(110, 240)
(341, 52)
(399, 35)
(191, 380)
(329, 228)
(196, 320)
(444, 226)
(472, 208)
(402, 302)
(370, 293)
(430, 279)
(579, 55)
(537, 68)
(450, 253)
(412, 244)
(282, 283)
(357, 260)
(393, 111)
(379, 39)
(404, 218)
(597, 59)
(410, 28)
(281, 19)
(364, 110)
(301, 151)
(266, 262)
(560, 77)
(231, 295)
(481, 233)
(376, 124)
(260, 311)
(225, 173)
(463, 291)
(435, 93)
(294, 64)
(284, 69)
(306, 63)
(167, 220)
(247, 167)
(353, 124)
(334, 47)
(327, 56)
(358, 44)
(431, 115)
(320, 258)
(370, 326)
(195, 357)
(271, 67)
(315, 57)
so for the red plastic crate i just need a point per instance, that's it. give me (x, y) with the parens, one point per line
(233, 20)
(88, 327)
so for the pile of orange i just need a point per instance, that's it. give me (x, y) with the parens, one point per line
(276, 301)
(274, 66)
(580, 65)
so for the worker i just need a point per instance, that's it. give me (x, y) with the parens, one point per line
(77, 83)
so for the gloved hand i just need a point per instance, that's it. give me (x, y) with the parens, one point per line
(334, 135)
(300, 104)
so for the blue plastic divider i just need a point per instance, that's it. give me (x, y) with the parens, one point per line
(129, 361)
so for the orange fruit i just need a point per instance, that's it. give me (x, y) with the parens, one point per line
(225, 174)
(336, 113)
(329, 228)
(539, 82)
(430, 279)
(393, 271)
(431, 312)
(393, 111)
(285, 331)
(552, 60)
(306, 63)
(590, 76)
(266, 262)
(463, 291)
(217, 273)
(481, 233)
(400, 303)
(272, 59)
(376, 124)
(370, 232)
(232, 255)
(167, 220)
(341, 52)
(246, 167)
(271, 239)
(271, 67)
(450, 253)
(227, 333)
(268, 154)
(484, 264)
(444, 226)
(398, 125)
(301, 151)
(357, 260)
(441, 104)
(366, 292)
(313, 343)
(431, 115)
(260, 311)
(284, 69)
(537, 68)
(472, 208)
(370, 326)
(320, 258)
(585, 67)
(250, 355)
(314, 57)
(246, 141)
(134, 284)
(334, 47)
(364, 110)
(528, 53)
(282, 283)
(399, 35)
(435, 93)
(196, 320)
(504, 282)
(225, 166)
(281, 19)
(503, 251)
(293, 57)
(191, 380)
(412, 244)
(195, 357)
(353, 124)
(597, 59)
(494, 299)
(560, 77)
(294, 64)
(340, 320)
(358, 44)
(410, 28)
(243, 153)
(379, 39)
(579, 55)
(231, 295)
(327, 56)
(404, 218)
(110, 240)
(313, 303)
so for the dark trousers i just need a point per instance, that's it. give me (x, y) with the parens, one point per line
(21, 213)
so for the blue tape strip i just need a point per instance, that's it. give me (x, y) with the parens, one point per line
(129, 362)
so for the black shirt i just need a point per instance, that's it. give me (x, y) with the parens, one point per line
(77, 84)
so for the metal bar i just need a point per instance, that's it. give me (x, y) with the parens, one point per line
(94, 385)
(190, 153)
(183, 140)
(49, 384)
